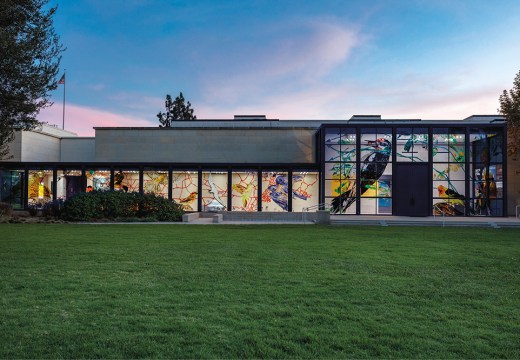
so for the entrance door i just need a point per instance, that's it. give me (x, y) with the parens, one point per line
(411, 190)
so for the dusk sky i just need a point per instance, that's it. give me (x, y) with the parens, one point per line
(326, 59)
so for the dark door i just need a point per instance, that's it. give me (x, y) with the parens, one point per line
(411, 190)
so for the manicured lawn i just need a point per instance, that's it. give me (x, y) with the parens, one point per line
(280, 291)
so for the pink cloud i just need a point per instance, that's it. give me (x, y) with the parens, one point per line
(81, 120)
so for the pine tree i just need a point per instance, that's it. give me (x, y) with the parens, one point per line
(175, 110)
(30, 55)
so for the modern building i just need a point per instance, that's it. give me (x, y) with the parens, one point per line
(364, 165)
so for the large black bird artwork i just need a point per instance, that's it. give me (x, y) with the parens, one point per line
(372, 168)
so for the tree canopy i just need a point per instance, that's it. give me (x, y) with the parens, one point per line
(510, 108)
(30, 55)
(175, 110)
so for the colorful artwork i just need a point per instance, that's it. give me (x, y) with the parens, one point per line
(39, 186)
(276, 191)
(214, 187)
(98, 179)
(156, 182)
(305, 190)
(126, 180)
(376, 156)
(412, 145)
(185, 189)
(244, 191)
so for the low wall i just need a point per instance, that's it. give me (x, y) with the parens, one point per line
(319, 217)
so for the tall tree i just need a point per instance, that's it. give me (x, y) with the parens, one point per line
(30, 55)
(510, 108)
(175, 110)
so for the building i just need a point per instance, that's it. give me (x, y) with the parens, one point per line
(364, 165)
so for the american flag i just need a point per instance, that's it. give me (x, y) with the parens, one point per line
(62, 80)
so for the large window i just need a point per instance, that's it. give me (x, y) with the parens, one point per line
(39, 187)
(486, 177)
(155, 181)
(185, 189)
(69, 183)
(12, 184)
(449, 171)
(126, 180)
(214, 188)
(275, 189)
(305, 190)
(244, 191)
(412, 145)
(98, 179)
(340, 169)
(375, 172)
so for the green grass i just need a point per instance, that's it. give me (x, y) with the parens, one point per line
(282, 291)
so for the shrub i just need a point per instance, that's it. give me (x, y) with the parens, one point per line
(120, 205)
(5, 209)
(53, 208)
(33, 209)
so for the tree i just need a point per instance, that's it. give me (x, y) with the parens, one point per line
(175, 110)
(30, 55)
(510, 108)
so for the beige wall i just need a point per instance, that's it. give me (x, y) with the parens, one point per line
(79, 149)
(217, 145)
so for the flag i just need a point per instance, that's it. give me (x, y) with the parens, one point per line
(62, 80)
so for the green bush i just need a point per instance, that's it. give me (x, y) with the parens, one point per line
(5, 209)
(120, 205)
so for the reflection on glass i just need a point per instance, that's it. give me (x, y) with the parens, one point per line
(11, 191)
(69, 183)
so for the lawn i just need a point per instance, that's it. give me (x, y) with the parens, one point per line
(266, 291)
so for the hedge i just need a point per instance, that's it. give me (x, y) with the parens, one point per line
(119, 205)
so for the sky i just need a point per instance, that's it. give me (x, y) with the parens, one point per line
(290, 60)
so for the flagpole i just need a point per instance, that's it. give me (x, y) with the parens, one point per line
(64, 84)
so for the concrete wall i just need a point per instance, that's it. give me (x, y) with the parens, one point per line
(15, 148)
(219, 145)
(79, 149)
(40, 147)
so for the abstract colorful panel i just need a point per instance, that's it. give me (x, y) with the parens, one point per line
(156, 182)
(411, 145)
(185, 189)
(126, 180)
(244, 191)
(39, 187)
(98, 179)
(305, 190)
(214, 187)
(275, 191)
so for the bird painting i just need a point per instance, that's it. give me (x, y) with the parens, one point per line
(188, 200)
(244, 191)
(454, 203)
(372, 169)
(278, 192)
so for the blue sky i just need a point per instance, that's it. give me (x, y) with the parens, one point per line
(326, 59)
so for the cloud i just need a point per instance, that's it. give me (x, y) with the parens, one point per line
(289, 57)
(82, 120)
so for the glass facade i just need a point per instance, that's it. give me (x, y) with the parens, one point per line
(359, 169)
(185, 189)
(466, 168)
